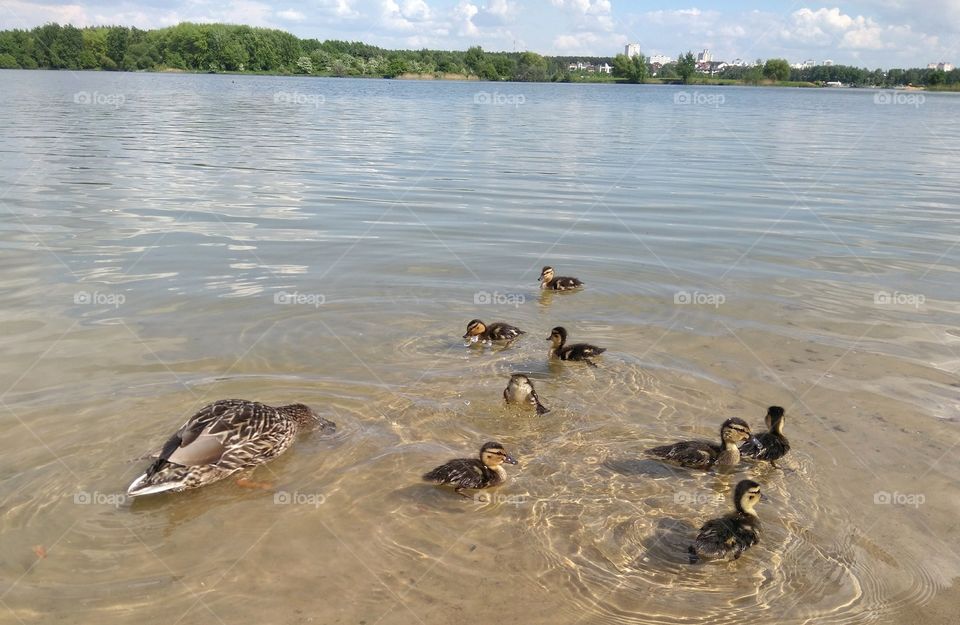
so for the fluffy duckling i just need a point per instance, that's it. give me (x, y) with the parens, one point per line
(557, 283)
(771, 445)
(729, 536)
(479, 331)
(473, 473)
(520, 391)
(221, 439)
(578, 351)
(705, 455)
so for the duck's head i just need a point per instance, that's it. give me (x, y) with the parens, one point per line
(475, 328)
(746, 495)
(305, 416)
(775, 418)
(558, 336)
(493, 454)
(519, 380)
(546, 274)
(734, 430)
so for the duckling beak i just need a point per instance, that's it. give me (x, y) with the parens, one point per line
(550, 337)
(510, 460)
(467, 335)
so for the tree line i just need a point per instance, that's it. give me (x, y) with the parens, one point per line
(231, 48)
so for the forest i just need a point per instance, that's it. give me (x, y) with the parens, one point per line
(231, 48)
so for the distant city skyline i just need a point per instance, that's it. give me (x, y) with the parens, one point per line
(892, 33)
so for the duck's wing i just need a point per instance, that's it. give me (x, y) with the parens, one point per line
(563, 282)
(463, 472)
(716, 538)
(502, 331)
(584, 350)
(208, 434)
(690, 453)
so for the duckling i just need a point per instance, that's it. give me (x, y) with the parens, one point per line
(729, 536)
(520, 391)
(221, 439)
(579, 351)
(704, 455)
(771, 445)
(473, 473)
(557, 283)
(499, 331)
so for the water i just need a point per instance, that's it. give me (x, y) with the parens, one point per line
(168, 240)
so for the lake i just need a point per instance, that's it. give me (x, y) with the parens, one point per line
(168, 240)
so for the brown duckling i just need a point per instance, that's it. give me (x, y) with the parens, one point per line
(771, 445)
(520, 391)
(553, 282)
(473, 473)
(705, 455)
(579, 351)
(729, 536)
(499, 331)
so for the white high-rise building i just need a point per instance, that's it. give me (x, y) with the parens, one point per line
(631, 50)
(704, 56)
(662, 59)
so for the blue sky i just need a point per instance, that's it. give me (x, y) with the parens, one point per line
(880, 33)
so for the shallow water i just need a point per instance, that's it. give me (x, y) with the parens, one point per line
(168, 240)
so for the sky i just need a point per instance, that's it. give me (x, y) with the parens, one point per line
(877, 33)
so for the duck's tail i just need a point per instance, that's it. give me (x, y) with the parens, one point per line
(541, 409)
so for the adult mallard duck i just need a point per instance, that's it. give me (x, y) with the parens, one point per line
(498, 331)
(552, 282)
(703, 454)
(771, 445)
(223, 438)
(473, 473)
(520, 391)
(728, 537)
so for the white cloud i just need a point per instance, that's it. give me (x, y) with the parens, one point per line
(291, 15)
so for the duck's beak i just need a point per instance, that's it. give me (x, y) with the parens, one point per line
(549, 337)
(467, 335)
(510, 460)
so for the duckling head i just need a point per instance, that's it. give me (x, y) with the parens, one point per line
(475, 328)
(775, 418)
(305, 416)
(746, 495)
(493, 454)
(734, 430)
(520, 381)
(558, 335)
(546, 274)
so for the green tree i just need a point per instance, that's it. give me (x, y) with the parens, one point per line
(117, 43)
(776, 69)
(634, 69)
(686, 66)
(8, 61)
(531, 67)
